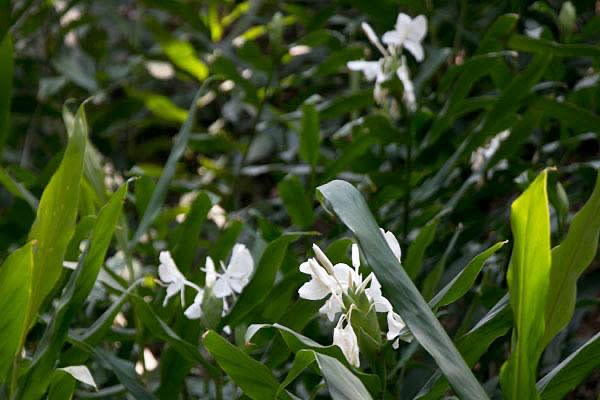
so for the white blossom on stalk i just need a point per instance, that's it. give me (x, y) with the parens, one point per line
(408, 33)
(321, 283)
(237, 274)
(170, 275)
(195, 310)
(397, 329)
(392, 243)
(373, 38)
(376, 297)
(408, 95)
(345, 338)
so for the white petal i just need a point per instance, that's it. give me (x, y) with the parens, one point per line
(417, 28)
(415, 48)
(167, 270)
(241, 264)
(331, 308)
(392, 38)
(346, 275)
(313, 290)
(370, 34)
(211, 275)
(403, 22)
(392, 243)
(346, 340)
(370, 69)
(221, 288)
(195, 310)
(355, 257)
(322, 258)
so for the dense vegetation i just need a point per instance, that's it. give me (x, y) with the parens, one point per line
(316, 199)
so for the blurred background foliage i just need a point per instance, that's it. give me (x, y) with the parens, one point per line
(280, 114)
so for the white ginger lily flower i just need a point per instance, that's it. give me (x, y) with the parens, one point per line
(392, 243)
(172, 277)
(323, 259)
(211, 274)
(397, 329)
(237, 274)
(372, 36)
(374, 294)
(321, 283)
(346, 340)
(332, 307)
(408, 96)
(195, 310)
(408, 33)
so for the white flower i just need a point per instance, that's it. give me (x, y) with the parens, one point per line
(211, 274)
(408, 33)
(237, 274)
(483, 154)
(217, 215)
(322, 258)
(397, 329)
(346, 340)
(392, 243)
(376, 297)
(372, 70)
(170, 275)
(321, 283)
(373, 38)
(195, 310)
(408, 96)
(332, 307)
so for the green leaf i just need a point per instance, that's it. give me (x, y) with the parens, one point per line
(81, 282)
(62, 386)
(6, 77)
(56, 214)
(15, 293)
(183, 55)
(17, 189)
(310, 137)
(543, 46)
(160, 105)
(569, 259)
(262, 282)
(254, 378)
(160, 192)
(342, 384)
(567, 375)
(462, 282)
(416, 251)
(432, 280)
(297, 204)
(528, 278)
(351, 208)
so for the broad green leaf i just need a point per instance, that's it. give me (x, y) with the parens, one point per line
(569, 259)
(310, 137)
(160, 192)
(185, 248)
(342, 384)
(302, 360)
(297, 204)
(6, 77)
(56, 214)
(262, 282)
(416, 251)
(38, 377)
(254, 378)
(571, 372)
(528, 278)
(462, 282)
(347, 203)
(15, 294)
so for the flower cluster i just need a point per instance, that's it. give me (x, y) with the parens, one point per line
(407, 34)
(233, 279)
(337, 283)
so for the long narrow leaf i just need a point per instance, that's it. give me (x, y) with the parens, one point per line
(351, 208)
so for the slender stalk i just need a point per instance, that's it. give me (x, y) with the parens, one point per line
(407, 188)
